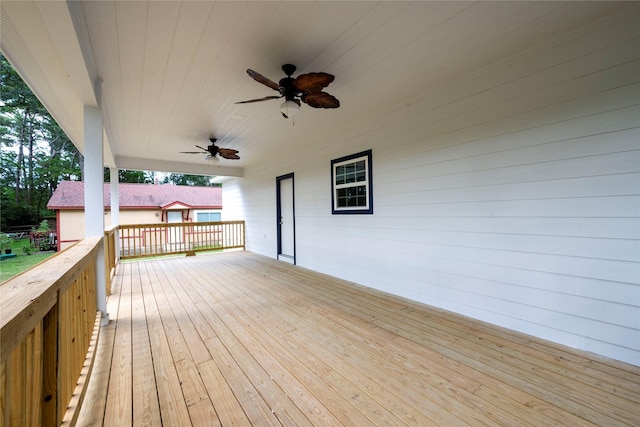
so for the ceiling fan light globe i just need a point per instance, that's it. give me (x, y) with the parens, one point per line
(289, 109)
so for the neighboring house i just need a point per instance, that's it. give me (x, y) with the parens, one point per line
(139, 204)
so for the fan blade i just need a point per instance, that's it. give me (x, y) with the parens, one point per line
(266, 98)
(264, 80)
(196, 152)
(313, 82)
(320, 100)
(227, 150)
(228, 153)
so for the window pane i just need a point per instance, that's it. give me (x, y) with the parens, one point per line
(341, 198)
(340, 175)
(208, 216)
(352, 197)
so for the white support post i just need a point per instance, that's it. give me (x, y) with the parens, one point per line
(115, 206)
(94, 197)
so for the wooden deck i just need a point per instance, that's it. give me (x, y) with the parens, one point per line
(240, 339)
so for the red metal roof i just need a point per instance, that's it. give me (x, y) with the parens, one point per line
(70, 195)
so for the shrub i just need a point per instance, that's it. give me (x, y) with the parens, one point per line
(5, 242)
(44, 226)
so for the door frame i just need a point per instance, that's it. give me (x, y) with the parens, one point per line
(279, 179)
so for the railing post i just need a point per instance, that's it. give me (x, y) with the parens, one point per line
(244, 234)
(115, 204)
(101, 286)
(111, 245)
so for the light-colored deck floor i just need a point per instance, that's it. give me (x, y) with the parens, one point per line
(240, 339)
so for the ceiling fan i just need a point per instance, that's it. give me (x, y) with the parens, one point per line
(306, 88)
(213, 150)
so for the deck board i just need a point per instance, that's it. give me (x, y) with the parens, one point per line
(146, 408)
(240, 339)
(120, 394)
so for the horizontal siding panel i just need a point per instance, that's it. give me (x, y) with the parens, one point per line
(610, 249)
(551, 87)
(601, 207)
(456, 273)
(571, 305)
(533, 126)
(614, 228)
(584, 149)
(549, 105)
(604, 269)
(458, 258)
(453, 272)
(624, 184)
(618, 127)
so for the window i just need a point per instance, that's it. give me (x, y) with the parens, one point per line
(351, 184)
(207, 216)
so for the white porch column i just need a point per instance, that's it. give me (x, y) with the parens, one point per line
(115, 205)
(94, 197)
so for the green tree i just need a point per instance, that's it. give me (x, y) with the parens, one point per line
(62, 159)
(24, 112)
(182, 179)
(131, 176)
(36, 153)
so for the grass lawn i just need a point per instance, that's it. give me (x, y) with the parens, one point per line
(13, 266)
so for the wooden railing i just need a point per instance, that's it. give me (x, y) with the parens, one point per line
(145, 240)
(110, 257)
(49, 325)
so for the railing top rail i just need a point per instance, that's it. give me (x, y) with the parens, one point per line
(26, 298)
(111, 228)
(177, 224)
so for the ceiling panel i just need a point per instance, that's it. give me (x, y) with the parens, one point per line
(172, 71)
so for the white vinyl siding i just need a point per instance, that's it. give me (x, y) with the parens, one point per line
(511, 196)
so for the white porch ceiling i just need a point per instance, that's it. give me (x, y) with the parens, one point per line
(172, 71)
